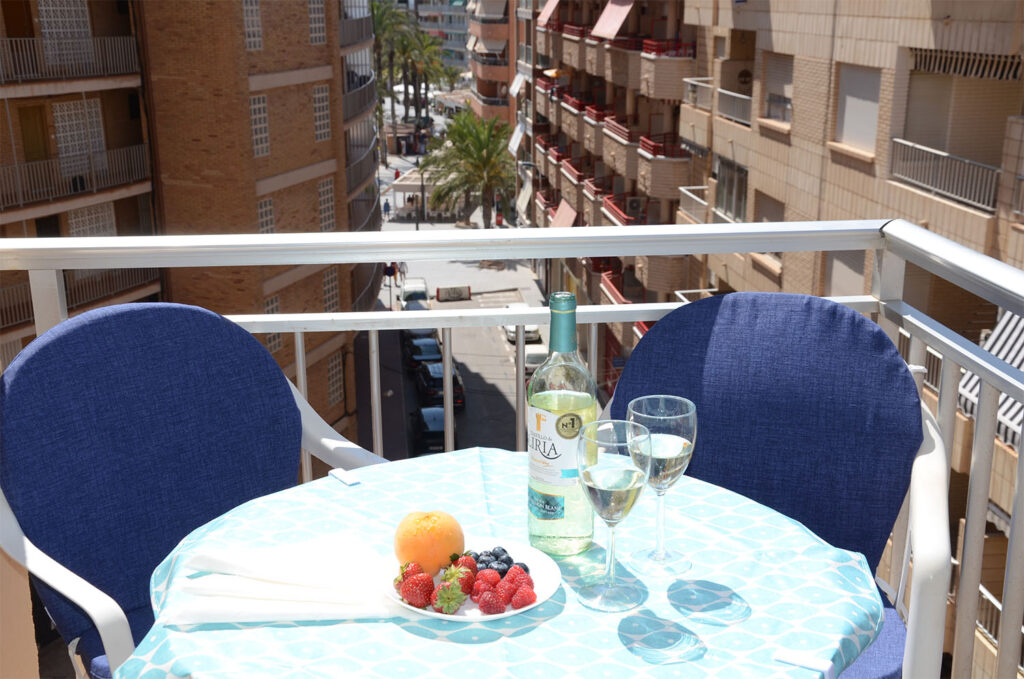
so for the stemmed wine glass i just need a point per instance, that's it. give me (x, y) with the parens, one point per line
(614, 459)
(672, 421)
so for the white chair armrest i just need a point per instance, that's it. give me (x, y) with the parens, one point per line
(929, 540)
(106, 615)
(320, 439)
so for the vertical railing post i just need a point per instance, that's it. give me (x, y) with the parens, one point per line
(375, 414)
(520, 388)
(49, 298)
(592, 350)
(306, 462)
(449, 389)
(1010, 641)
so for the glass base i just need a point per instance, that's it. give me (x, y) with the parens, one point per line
(650, 561)
(618, 597)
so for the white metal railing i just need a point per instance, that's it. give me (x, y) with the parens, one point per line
(42, 180)
(362, 168)
(359, 100)
(895, 242)
(693, 204)
(698, 92)
(963, 180)
(364, 213)
(27, 59)
(1018, 197)
(989, 619)
(734, 106)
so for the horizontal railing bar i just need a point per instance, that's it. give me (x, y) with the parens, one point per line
(331, 248)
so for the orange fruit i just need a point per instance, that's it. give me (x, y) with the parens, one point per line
(429, 539)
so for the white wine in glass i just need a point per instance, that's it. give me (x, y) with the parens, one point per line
(672, 421)
(614, 459)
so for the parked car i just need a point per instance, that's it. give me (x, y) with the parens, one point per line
(414, 289)
(418, 350)
(536, 354)
(428, 431)
(430, 385)
(418, 305)
(531, 333)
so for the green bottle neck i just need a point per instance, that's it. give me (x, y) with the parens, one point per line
(563, 331)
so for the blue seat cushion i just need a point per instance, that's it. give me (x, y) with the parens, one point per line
(803, 405)
(126, 427)
(883, 659)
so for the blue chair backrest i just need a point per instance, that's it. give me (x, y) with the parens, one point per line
(802, 404)
(123, 429)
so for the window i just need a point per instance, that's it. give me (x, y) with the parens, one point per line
(857, 107)
(331, 304)
(253, 25)
(778, 81)
(265, 215)
(95, 220)
(731, 194)
(317, 23)
(768, 209)
(272, 305)
(260, 125)
(79, 129)
(67, 35)
(321, 112)
(325, 191)
(335, 379)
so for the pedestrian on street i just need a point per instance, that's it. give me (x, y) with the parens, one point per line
(403, 269)
(387, 209)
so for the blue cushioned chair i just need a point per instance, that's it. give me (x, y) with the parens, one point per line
(125, 428)
(806, 406)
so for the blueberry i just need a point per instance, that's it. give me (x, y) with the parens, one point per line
(498, 551)
(523, 566)
(476, 557)
(484, 563)
(484, 555)
(507, 560)
(501, 567)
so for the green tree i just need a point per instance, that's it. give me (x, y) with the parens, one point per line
(471, 163)
(390, 23)
(449, 75)
(426, 60)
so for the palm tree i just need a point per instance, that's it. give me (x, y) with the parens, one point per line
(426, 57)
(450, 75)
(389, 23)
(472, 161)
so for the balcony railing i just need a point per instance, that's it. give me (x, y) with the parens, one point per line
(627, 209)
(896, 243)
(734, 106)
(698, 92)
(44, 180)
(670, 48)
(489, 101)
(571, 166)
(576, 31)
(489, 59)
(360, 99)
(524, 53)
(666, 145)
(544, 142)
(355, 31)
(547, 198)
(598, 113)
(364, 213)
(692, 202)
(27, 59)
(963, 180)
(597, 186)
(575, 103)
(481, 19)
(634, 44)
(621, 130)
(362, 168)
(1018, 197)
(558, 153)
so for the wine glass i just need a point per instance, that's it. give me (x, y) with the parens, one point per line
(672, 421)
(614, 458)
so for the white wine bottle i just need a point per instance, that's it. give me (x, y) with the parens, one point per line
(562, 398)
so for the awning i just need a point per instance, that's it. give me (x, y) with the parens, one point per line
(525, 195)
(1006, 343)
(491, 8)
(611, 19)
(484, 46)
(471, 44)
(549, 8)
(564, 216)
(517, 83)
(516, 139)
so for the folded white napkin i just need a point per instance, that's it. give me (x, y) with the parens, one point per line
(331, 577)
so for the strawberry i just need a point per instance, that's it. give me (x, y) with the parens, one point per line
(518, 576)
(479, 587)
(491, 604)
(505, 590)
(490, 576)
(466, 561)
(524, 596)
(416, 589)
(406, 570)
(447, 598)
(462, 575)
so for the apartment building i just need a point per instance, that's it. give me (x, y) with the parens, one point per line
(447, 20)
(492, 58)
(713, 111)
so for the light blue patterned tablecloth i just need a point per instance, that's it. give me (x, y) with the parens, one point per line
(759, 583)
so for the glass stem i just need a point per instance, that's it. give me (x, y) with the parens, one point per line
(659, 547)
(609, 569)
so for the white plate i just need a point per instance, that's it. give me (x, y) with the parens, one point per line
(544, 571)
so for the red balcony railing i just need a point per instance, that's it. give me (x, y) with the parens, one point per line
(552, 25)
(670, 48)
(558, 153)
(597, 113)
(576, 31)
(544, 142)
(610, 282)
(547, 198)
(620, 130)
(619, 206)
(641, 327)
(574, 103)
(666, 145)
(544, 83)
(598, 186)
(572, 168)
(628, 43)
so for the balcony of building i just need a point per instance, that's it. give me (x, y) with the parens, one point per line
(622, 64)
(26, 183)
(594, 55)
(663, 66)
(364, 210)
(625, 209)
(525, 9)
(944, 174)
(548, 40)
(593, 128)
(354, 31)
(572, 115)
(487, 106)
(693, 205)
(489, 66)
(663, 165)
(1018, 198)
(574, 54)
(734, 106)
(360, 95)
(621, 144)
(37, 59)
(524, 59)
(361, 167)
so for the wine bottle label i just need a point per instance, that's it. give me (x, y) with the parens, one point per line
(551, 444)
(545, 506)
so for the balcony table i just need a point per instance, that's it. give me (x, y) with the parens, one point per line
(760, 582)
